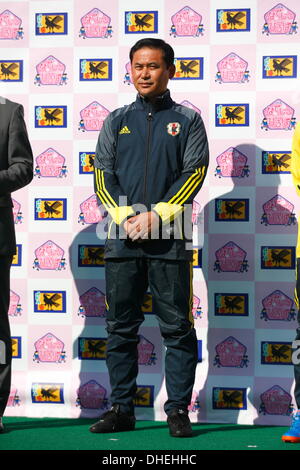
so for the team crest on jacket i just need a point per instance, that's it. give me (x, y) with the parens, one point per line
(173, 128)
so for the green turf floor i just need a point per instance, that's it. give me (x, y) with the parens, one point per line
(73, 434)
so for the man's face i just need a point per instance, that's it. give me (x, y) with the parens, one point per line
(150, 74)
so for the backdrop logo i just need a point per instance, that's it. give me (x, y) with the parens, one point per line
(196, 309)
(146, 354)
(50, 164)
(194, 406)
(86, 163)
(188, 68)
(92, 117)
(232, 115)
(10, 26)
(127, 77)
(232, 69)
(47, 393)
(197, 258)
(277, 306)
(49, 256)
(51, 24)
(95, 24)
(234, 305)
(95, 70)
(186, 22)
(231, 258)
(226, 398)
(280, 20)
(278, 211)
(89, 211)
(232, 164)
(17, 258)
(233, 20)
(11, 71)
(277, 353)
(141, 22)
(231, 210)
(276, 162)
(91, 256)
(281, 66)
(278, 116)
(277, 257)
(92, 396)
(50, 116)
(92, 348)
(92, 303)
(49, 349)
(49, 301)
(147, 305)
(197, 216)
(14, 399)
(50, 71)
(15, 307)
(16, 347)
(276, 401)
(190, 105)
(231, 353)
(50, 209)
(199, 350)
(18, 217)
(144, 397)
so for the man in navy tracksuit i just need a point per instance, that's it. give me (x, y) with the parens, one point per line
(151, 160)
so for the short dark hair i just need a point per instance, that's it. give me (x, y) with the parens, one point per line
(154, 44)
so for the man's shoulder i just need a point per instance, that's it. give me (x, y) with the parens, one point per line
(8, 103)
(7, 110)
(186, 111)
(120, 112)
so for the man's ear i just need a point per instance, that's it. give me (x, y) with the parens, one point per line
(172, 70)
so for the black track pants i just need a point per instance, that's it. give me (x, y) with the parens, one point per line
(170, 284)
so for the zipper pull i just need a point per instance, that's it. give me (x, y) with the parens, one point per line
(149, 117)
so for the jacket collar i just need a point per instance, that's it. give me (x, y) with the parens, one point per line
(161, 102)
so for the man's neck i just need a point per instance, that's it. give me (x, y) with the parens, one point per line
(154, 99)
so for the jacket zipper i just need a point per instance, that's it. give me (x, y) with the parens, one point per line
(148, 148)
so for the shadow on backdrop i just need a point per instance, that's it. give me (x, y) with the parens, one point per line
(234, 312)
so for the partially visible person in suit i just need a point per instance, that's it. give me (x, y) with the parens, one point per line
(16, 171)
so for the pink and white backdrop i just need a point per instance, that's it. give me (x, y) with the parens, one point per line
(67, 63)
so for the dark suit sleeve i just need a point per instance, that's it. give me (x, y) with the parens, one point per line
(20, 160)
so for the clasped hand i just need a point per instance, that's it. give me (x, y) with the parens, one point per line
(141, 226)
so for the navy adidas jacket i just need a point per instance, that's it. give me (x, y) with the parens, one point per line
(155, 155)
